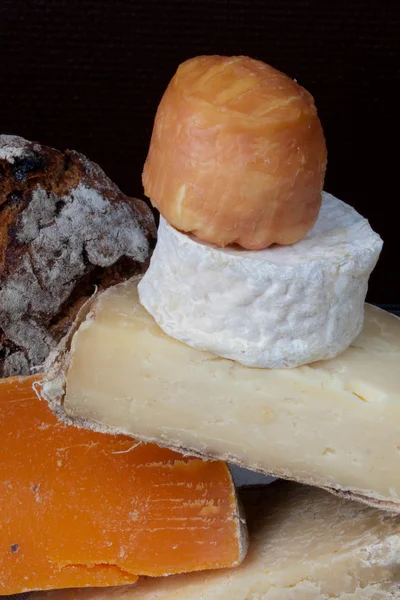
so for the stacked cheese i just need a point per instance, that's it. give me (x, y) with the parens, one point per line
(237, 343)
(238, 156)
(247, 340)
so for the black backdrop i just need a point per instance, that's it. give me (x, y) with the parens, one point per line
(88, 75)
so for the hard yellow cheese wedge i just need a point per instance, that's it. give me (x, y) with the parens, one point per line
(334, 424)
(305, 544)
(79, 508)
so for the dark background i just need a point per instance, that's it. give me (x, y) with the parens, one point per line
(89, 75)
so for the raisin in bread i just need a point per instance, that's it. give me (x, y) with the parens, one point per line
(65, 228)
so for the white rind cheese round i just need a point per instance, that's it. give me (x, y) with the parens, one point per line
(280, 307)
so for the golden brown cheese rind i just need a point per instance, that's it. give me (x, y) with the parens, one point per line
(237, 154)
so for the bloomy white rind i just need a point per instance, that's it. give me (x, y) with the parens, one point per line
(281, 307)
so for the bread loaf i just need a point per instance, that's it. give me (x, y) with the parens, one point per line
(65, 230)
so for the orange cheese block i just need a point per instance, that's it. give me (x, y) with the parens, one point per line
(79, 508)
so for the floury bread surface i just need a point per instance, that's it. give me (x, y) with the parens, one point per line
(65, 230)
(304, 545)
(332, 424)
(279, 307)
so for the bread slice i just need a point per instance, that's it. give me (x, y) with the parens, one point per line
(332, 424)
(305, 544)
(65, 230)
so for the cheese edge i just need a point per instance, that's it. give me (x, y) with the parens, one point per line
(53, 389)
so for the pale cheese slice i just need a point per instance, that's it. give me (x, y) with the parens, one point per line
(333, 424)
(304, 545)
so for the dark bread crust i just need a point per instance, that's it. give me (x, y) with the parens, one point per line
(65, 230)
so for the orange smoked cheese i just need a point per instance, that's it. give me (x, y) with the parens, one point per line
(79, 508)
(237, 154)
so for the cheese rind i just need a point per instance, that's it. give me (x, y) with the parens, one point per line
(304, 545)
(78, 508)
(279, 307)
(332, 424)
(237, 153)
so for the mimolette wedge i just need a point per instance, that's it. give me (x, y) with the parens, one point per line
(79, 508)
(333, 424)
(305, 544)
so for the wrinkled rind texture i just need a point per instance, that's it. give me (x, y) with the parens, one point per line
(65, 228)
(275, 308)
(237, 154)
